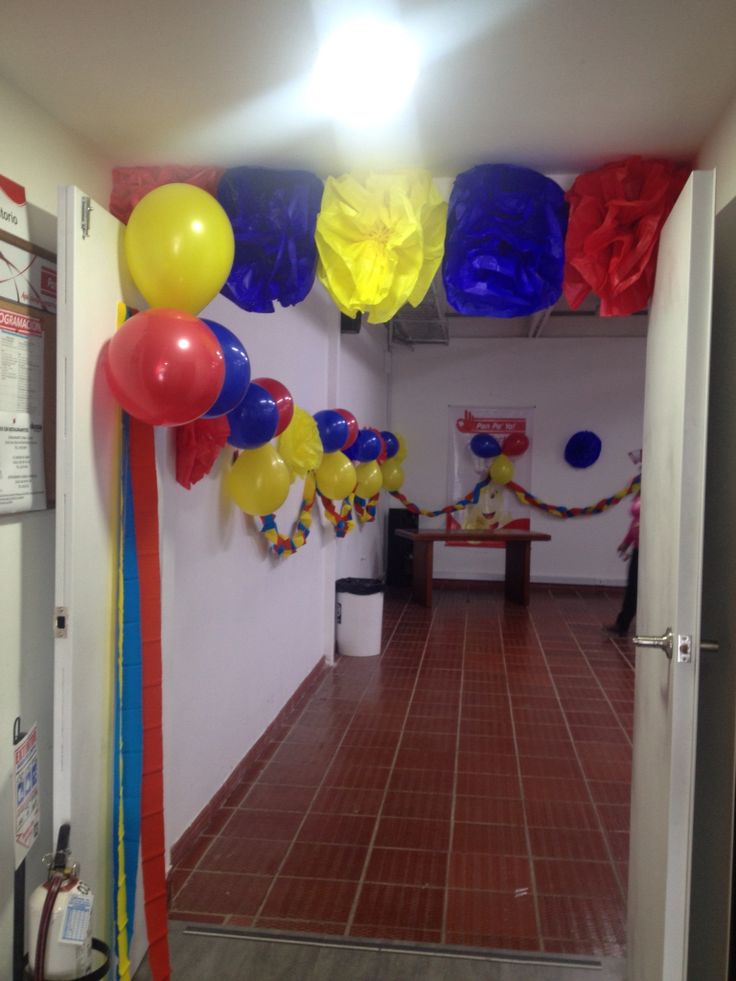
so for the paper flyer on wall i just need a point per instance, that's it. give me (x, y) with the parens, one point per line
(26, 800)
(497, 506)
(22, 475)
(27, 278)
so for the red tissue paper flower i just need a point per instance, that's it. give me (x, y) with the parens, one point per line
(198, 445)
(130, 184)
(616, 216)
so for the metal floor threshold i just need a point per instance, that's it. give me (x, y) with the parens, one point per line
(397, 947)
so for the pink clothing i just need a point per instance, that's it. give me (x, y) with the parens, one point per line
(632, 535)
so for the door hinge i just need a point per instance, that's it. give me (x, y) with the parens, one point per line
(86, 212)
(684, 648)
(61, 621)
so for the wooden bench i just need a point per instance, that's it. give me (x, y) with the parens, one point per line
(518, 557)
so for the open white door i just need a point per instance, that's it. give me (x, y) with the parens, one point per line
(91, 284)
(670, 583)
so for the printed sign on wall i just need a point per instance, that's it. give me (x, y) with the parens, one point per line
(497, 506)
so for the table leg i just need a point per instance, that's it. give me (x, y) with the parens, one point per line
(518, 561)
(422, 585)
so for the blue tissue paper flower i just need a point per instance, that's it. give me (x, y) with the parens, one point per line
(504, 250)
(273, 214)
(583, 449)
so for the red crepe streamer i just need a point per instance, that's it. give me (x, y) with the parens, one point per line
(130, 184)
(145, 512)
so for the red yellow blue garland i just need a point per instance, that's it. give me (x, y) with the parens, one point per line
(288, 545)
(560, 511)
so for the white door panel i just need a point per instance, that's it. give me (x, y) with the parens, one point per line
(670, 575)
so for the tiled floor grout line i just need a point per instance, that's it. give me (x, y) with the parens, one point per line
(604, 832)
(320, 785)
(453, 804)
(371, 844)
(527, 835)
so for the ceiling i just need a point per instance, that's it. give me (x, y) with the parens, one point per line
(559, 85)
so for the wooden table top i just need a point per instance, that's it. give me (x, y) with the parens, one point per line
(479, 535)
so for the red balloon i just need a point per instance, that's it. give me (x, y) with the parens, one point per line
(353, 427)
(282, 397)
(164, 367)
(515, 444)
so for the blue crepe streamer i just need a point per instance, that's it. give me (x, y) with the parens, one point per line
(273, 214)
(504, 249)
(128, 698)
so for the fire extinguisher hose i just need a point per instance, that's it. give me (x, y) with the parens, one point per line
(43, 927)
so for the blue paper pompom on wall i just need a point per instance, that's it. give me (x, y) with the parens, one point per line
(273, 214)
(583, 449)
(504, 249)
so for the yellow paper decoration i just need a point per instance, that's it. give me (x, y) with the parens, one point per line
(299, 444)
(380, 241)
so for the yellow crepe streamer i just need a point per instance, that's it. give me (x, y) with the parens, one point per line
(300, 446)
(380, 241)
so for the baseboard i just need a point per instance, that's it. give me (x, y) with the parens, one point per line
(249, 767)
(490, 578)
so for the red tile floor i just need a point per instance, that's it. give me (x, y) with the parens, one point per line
(469, 786)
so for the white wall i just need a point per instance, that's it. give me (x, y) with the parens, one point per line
(39, 154)
(362, 388)
(719, 152)
(242, 629)
(595, 384)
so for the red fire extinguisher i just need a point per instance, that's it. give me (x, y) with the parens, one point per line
(60, 941)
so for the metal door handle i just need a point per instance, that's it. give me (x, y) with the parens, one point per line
(663, 643)
(684, 645)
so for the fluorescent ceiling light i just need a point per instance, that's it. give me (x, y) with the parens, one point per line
(364, 72)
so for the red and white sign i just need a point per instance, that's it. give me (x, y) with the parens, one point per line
(497, 506)
(13, 211)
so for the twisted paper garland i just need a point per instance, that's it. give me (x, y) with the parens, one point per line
(288, 545)
(365, 510)
(464, 502)
(342, 519)
(560, 511)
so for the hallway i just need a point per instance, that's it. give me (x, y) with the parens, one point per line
(469, 787)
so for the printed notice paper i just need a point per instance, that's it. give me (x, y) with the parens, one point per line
(22, 476)
(26, 805)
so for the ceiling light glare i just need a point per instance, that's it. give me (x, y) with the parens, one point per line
(365, 72)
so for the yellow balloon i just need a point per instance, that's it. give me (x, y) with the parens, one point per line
(300, 445)
(393, 475)
(401, 453)
(370, 479)
(336, 476)
(501, 470)
(179, 246)
(258, 481)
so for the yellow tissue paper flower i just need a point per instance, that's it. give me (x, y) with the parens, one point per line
(300, 445)
(380, 241)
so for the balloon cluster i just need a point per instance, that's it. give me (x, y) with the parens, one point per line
(168, 367)
(501, 467)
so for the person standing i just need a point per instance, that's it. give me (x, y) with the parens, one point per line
(629, 547)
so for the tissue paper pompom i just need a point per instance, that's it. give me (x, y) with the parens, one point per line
(380, 241)
(616, 216)
(130, 184)
(504, 252)
(273, 214)
(300, 445)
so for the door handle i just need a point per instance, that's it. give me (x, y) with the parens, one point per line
(663, 643)
(684, 645)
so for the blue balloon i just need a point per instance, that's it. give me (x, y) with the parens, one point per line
(237, 371)
(485, 445)
(366, 447)
(583, 449)
(253, 422)
(333, 429)
(390, 442)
